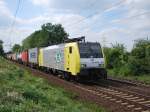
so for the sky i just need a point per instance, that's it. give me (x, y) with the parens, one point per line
(104, 21)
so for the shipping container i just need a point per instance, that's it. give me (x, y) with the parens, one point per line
(24, 56)
(14, 56)
(33, 55)
(18, 56)
(9, 56)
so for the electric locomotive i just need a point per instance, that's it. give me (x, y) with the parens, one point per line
(74, 59)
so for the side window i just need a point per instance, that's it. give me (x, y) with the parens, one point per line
(70, 50)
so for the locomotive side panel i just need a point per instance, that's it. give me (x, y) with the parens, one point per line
(53, 57)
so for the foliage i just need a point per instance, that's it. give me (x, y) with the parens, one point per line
(22, 92)
(115, 56)
(48, 35)
(16, 48)
(1, 48)
(143, 78)
(121, 62)
(140, 57)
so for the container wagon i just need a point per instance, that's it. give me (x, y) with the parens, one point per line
(33, 57)
(24, 57)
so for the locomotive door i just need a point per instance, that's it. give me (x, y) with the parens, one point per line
(68, 58)
(72, 59)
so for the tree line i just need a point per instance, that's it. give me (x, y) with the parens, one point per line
(121, 62)
(49, 34)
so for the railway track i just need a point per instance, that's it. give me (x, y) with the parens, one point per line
(133, 101)
(140, 89)
(129, 100)
(130, 82)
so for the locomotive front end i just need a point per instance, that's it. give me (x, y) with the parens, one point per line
(91, 60)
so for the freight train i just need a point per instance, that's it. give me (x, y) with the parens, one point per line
(72, 60)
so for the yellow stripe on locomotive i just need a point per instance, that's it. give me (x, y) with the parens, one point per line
(40, 57)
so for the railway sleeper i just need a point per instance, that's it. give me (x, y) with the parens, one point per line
(124, 103)
(125, 100)
(146, 111)
(137, 108)
(112, 99)
(128, 96)
(132, 98)
(119, 101)
(136, 100)
(143, 102)
(147, 104)
(131, 106)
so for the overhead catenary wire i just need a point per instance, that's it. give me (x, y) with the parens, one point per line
(140, 14)
(126, 18)
(14, 21)
(129, 17)
(86, 8)
(91, 15)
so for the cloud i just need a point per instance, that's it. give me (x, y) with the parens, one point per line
(5, 14)
(16, 37)
(24, 27)
(41, 2)
(75, 6)
(115, 24)
(3, 8)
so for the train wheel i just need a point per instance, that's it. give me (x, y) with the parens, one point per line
(77, 78)
(66, 76)
(104, 74)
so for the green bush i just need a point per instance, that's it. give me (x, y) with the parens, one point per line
(124, 70)
(137, 62)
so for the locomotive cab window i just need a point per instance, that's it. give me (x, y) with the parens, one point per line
(88, 50)
(70, 50)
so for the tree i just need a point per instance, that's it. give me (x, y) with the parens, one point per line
(140, 57)
(116, 59)
(121, 62)
(1, 48)
(115, 56)
(48, 35)
(16, 48)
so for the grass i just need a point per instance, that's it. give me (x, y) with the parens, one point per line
(144, 78)
(22, 92)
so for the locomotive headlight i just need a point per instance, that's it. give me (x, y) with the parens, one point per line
(83, 65)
